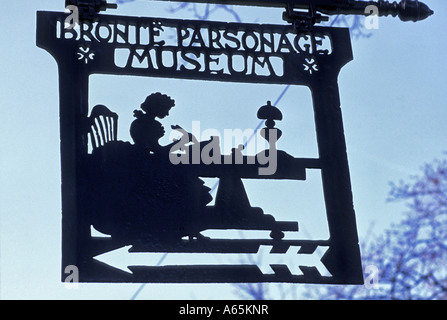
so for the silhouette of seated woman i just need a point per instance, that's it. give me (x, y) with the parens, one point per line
(142, 196)
(146, 131)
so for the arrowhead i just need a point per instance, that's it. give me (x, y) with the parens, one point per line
(117, 258)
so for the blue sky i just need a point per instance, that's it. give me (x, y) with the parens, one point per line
(393, 97)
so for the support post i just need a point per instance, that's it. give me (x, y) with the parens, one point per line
(343, 258)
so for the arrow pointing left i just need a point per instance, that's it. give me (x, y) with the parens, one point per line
(263, 259)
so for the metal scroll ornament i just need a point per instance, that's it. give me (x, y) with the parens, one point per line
(147, 197)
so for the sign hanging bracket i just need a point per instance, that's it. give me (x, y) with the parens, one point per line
(89, 8)
(308, 12)
(303, 19)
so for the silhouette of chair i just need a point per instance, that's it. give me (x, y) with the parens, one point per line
(102, 126)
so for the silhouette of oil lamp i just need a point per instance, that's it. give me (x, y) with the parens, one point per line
(269, 132)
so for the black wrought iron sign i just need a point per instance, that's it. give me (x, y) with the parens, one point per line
(150, 196)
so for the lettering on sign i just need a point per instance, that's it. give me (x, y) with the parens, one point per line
(211, 49)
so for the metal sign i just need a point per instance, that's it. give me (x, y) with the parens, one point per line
(151, 197)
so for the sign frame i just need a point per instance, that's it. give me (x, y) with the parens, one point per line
(80, 56)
